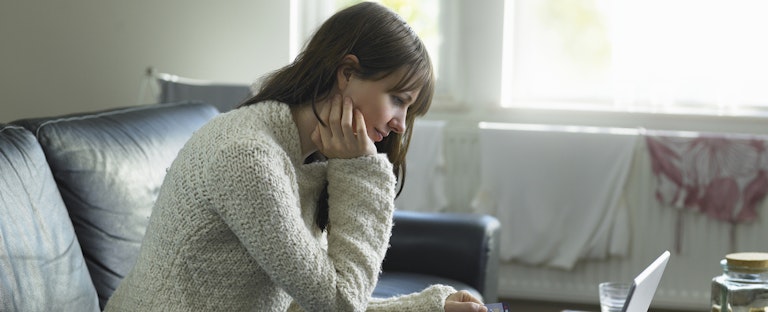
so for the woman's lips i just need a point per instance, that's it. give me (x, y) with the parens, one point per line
(379, 135)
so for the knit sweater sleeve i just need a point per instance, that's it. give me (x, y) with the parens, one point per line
(253, 191)
(431, 299)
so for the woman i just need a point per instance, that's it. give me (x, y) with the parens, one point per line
(285, 203)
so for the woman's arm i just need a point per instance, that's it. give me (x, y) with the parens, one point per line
(254, 193)
(431, 299)
(361, 194)
(437, 298)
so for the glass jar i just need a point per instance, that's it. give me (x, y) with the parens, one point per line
(743, 286)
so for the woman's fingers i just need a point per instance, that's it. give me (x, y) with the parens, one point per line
(454, 306)
(339, 117)
(362, 134)
(344, 135)
(346, 118)
(325, 130)
(463, 296)
(334, 118)
(360, 130)
(463, 301)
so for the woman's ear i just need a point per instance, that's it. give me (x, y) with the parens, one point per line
(349, 65)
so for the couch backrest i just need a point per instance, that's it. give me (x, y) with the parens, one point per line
(41, 263)
(109, 166)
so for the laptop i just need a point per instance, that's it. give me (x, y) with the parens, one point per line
(644, 286)
(640, 294)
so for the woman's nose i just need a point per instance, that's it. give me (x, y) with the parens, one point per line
(397, 124)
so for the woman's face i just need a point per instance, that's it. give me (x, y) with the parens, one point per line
(383, 110)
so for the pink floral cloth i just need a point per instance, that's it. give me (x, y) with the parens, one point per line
(723, 176)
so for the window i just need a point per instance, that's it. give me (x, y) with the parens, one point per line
(658, 56)
(557, 51)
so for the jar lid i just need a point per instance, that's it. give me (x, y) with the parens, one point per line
(755, 260)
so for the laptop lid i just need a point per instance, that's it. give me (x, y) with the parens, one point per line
(644, 286)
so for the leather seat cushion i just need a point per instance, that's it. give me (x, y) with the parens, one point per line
(41, 263)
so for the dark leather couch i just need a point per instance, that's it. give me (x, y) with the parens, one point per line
(76, 192)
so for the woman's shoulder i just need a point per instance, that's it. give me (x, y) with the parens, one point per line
(263, 127)
(263, 114)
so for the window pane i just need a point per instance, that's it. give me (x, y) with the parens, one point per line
(687, 56)
(562, 50)
(695, 55)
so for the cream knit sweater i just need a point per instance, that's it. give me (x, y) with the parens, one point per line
(233, 228)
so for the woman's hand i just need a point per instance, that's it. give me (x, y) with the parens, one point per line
(463, 301)
(344, 135)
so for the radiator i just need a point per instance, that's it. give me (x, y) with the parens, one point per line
(461, 150)
(686, 282)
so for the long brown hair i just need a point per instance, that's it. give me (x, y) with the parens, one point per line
(383, 43)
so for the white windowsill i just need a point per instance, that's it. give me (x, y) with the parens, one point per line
(755, 122)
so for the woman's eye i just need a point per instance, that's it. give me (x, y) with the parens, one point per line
(398, 101)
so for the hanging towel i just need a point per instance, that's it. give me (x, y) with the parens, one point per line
(425, 180)
(724, 176)
(557, 191)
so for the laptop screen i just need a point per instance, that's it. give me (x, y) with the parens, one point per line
(645, 284)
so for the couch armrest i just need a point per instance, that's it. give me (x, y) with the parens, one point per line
(463, 247)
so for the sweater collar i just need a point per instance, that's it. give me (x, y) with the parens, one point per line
(284, 130)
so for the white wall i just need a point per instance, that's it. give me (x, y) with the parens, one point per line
(69, 56)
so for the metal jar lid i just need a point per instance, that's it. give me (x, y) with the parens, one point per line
(752, 260)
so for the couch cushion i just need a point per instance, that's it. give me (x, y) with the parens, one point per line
(41, 264)
(109, 166)
(458, 246)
